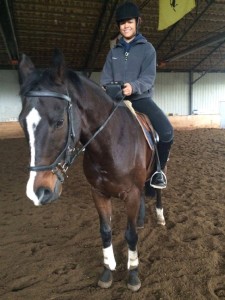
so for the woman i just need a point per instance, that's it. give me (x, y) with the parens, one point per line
(133, 61)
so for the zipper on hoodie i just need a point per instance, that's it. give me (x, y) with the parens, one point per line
(126, 54)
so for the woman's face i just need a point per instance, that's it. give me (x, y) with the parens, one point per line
(128, 29)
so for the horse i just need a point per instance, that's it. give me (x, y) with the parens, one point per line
(65, 114)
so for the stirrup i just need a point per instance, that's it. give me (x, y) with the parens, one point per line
(163, 178)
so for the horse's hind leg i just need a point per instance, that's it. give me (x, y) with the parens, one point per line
(133, 206)
(103, 206)
(159, 208)
(141, 214)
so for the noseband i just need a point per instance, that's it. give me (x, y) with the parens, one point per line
(68, 152)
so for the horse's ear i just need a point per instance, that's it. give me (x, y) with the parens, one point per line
(26, 67)
(58, 66)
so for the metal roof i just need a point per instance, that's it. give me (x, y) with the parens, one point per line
(83, 30)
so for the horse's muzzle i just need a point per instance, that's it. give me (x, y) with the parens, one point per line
(45, 195)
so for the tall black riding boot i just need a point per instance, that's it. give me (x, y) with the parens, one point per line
(158, 179)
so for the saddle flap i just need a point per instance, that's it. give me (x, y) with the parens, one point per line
(146, 123)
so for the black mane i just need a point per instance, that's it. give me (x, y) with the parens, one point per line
(46, 77)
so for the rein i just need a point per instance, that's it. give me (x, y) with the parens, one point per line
(71, 153)
(100, 128)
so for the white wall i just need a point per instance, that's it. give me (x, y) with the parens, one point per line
(208, 92)
(95, 76)
(10, 104)
(171, 93)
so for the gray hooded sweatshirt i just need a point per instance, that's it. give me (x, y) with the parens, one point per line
(133, 62)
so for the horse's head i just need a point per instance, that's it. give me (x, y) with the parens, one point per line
(50, 127)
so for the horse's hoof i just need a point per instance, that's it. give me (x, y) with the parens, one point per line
(134, 282)
(106, 279)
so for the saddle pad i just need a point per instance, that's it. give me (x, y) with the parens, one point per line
(145, 124)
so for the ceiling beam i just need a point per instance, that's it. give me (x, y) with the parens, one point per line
(100, 33)
(208, 55)
(8, 31)
(5, 43)
(216, 39)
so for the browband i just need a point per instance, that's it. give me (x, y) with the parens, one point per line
(48, 94)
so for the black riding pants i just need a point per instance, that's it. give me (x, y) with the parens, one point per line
(157, 117)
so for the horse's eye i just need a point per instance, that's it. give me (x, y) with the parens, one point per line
(59, 123)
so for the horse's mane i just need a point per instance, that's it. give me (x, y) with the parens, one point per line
(46, 77)
(76, 80)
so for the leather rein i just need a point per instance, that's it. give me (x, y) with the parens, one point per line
(69, 151)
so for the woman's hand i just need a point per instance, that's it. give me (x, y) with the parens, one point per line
(127, 89)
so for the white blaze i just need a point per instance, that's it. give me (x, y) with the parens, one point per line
(32, 119)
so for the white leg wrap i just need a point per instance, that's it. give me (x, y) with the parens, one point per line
(133, 261)
(160, 216)
(109, 259)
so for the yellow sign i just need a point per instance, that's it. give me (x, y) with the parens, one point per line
(171, 11)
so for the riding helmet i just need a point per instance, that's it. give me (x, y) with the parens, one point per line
(126, 11)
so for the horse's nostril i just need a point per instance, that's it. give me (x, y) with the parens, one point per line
(44, 195)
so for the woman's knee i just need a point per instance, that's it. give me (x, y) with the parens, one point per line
(166, 133)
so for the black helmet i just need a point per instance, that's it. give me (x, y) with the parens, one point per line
(127, 10)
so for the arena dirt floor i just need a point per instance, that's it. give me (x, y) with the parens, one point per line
(54, 252)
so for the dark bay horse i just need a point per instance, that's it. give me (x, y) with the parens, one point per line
(60, 112)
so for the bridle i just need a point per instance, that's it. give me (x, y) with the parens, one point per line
(70, 152)
(57, 167)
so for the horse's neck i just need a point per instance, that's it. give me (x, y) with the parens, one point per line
(97, 110)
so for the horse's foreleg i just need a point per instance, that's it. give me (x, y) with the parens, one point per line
(103, 206)
(133, 206)
(159, 208)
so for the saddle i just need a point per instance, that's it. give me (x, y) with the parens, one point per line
(145, 122)
(150, 134)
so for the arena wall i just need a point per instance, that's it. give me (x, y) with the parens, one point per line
(171, 94)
